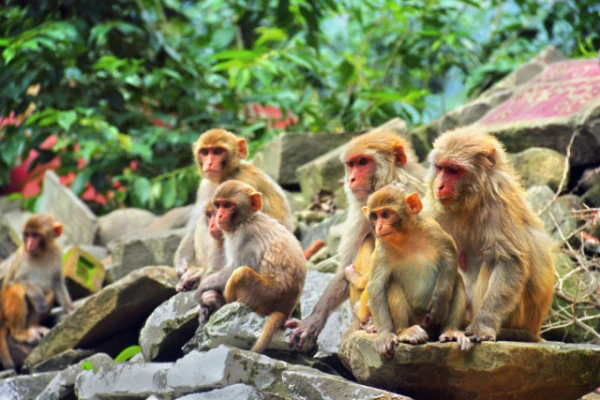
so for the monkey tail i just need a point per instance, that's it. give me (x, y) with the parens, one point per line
(5, 357)
(517, 335)
(274, 322)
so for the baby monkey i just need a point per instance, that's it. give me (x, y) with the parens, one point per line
(415, 290)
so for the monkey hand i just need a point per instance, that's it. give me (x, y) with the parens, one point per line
(181, 266)
(384, 343)
(350, 273)
(210, 301)
(310, 327)
(190, 280)
(479, 332)
(438, 312)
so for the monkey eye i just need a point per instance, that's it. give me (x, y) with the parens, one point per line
(207, 215)
(350, 164)
(227, 205)
(204, 152)
(373, 216)
(363, 161)
(439, 168)
(217, 205)
(385, 214)
(218, 151)
(451, 170)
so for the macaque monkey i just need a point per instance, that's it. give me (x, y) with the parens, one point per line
(219, 156)
(372, 161)
(34, 279)
(505, 255)
(212, 251)
(358, 277)
(414, 281)
(265, 266)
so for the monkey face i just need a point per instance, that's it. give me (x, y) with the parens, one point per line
(359, 174)
(447, 182)
(385, 221)
(212, 159)
(225, 216)
(211, 221)
(34, 241)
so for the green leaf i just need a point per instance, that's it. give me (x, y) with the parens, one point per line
(141, 190)
(125, 141)
(82, 178)
(169, 193)
(127, 353)
(222, 38)
(66, 119)
(87, 366)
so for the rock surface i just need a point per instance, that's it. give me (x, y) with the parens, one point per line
(25, 386)
(539, 166)
(557, 218)
(175, 218)
(9, 238)
(169, 327)
(117, 308)
(62, 360)
(122, 223)
(320, 231)
(499, 370)
(219, 368)
(129, 254)
(286, 152)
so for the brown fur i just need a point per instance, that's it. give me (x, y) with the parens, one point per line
(381, 146)
(509, 267)
(265, 267)
(414, 279)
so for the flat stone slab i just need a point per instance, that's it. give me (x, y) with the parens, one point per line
(25, 386)
(490, 370)
(117, 308)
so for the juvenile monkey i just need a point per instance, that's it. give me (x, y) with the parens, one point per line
(505, 255)
(414, 279)
(265, 265)
(212, 251)
(34, 279)
(372, 161)
(219, 156)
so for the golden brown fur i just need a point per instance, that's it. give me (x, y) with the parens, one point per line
(508, 257)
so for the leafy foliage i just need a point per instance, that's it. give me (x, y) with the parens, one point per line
(128, 85)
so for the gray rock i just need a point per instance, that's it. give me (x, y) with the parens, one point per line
(169, 327)
(558, 221)
(122, 223)
(62, 386)
(334, 237)
(129, 254)
(490, 370)
(321, 230)
(321, 256)
(173, 219)
(7, 205)
(10, 240)
(80, 223)
(329, 265)
(17, 219)
(286, 152)
(62, 360)
(295, 200)
(7, 373)
(237, 391)
(539, 166)
(235, 324)
(117, 308)
(339, 321)
(25, 386)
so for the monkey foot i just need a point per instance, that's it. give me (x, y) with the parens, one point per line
(480, 333)
(452, 335)
(414, 335)
(30, 336)
(384, 343)
(368, 327)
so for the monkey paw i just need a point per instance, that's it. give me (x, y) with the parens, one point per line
(451, 335)
(189, 281)
(414, 335)
(480, 333)
(305, 329)
(369, 328)
(384, 343)
(350, 273)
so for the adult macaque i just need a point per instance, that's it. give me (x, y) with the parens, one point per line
(265, 265)
(212, 251)
(34, 279)
(219, 156)
(372, 161)
(505, 255)
(414, 280)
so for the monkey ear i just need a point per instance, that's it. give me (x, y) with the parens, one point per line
(255, 201)
(366, 211)
(242, 148)
(489, 159)
(414, 203)
(57, 229)
(400, 155)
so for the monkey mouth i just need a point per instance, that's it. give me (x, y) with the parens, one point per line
(384, 234)
(360, 192)
(446, 201)
(224, 226)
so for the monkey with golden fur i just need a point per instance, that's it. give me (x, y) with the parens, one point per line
(34, 279)
(414, 289)
(265, 266)
(372, 160)
(220, 155)
(505, 255)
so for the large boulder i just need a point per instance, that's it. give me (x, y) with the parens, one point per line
(173, 219)
(10, 240)
(326, 172)
(169, 327)
(490, 370)
(25, 386)
(117, 308)
(320, 231)
(557, 218)
(539, 166)
(129, 254)
(218, 368)
(286, 152)
(122, 223)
